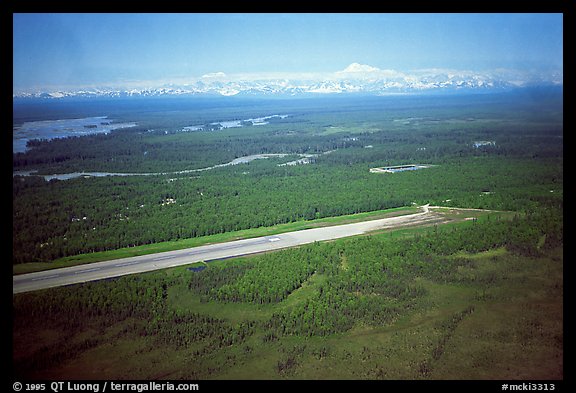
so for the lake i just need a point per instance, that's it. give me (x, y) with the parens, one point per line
(52, 129)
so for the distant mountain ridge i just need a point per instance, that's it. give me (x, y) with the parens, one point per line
(356, 78)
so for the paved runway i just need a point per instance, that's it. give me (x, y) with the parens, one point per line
(144, 263)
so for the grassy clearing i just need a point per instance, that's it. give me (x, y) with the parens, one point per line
(455, 334)
(356, 129)
(516, 330)
(509, 327)
(308, 290)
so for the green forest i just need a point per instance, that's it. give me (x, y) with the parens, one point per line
(54, 219)
(250, 318)
(475, 298)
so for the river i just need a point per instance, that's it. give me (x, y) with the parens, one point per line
(236, 161)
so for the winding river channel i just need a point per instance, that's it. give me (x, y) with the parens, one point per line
(241, 160)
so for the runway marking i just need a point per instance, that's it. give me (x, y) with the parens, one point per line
(166, 257)
(45, 278)
(126, 264)
(87, 270)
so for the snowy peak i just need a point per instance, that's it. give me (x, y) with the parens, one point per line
(355, 78)
(214, 75)
(364, 71)
(356, 68)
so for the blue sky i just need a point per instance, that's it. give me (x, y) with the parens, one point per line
(67, 50)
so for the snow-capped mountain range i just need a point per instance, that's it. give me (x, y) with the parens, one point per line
(356, 78)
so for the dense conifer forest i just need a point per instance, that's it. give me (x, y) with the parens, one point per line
(519, 168)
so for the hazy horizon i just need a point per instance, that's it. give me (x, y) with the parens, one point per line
(122, 50)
